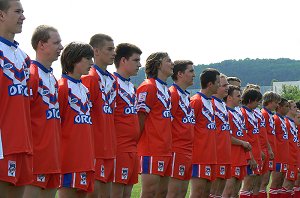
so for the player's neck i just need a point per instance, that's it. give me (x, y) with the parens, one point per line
(7, 35)
(75, 75)
(101, 65)
(182, 85)
(206, 92)
(46, 63)
(123, 73)
(268, 107)
(218, 96)
(291, 115)
(230, 104)
(162, 77)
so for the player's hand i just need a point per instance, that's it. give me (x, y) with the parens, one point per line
(252, 163)
(247, 146)
(271, 154)
(263, 156)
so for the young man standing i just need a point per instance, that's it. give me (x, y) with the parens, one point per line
(77, 152)
(204, 150)
(223, 139)
(15, 125)
(102, 86)
(270, 103)
(240, 146)
(127, 62)
(282, 152)
(154, 111)
(45, 116)
(182, 128)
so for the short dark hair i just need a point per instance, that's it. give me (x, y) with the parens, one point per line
(125, 50)
(180, 66)
(5, 4)
(73, 53)
(153, 62)
(251, 95)
(298, 104)
(208, 75)
(231, 89)
(98, 40)
(41, 33)
(282, 102)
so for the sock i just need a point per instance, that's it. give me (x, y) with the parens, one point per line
(245, 194)
(262, 194)
(274, 193)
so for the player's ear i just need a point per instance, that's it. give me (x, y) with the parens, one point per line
(123, 60)
(2, 15)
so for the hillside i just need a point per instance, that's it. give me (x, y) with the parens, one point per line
(258, 71)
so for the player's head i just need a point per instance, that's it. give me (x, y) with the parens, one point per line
(77, 58)
(11, 17)
(104, 49)
(234, 96)
(46, 42)
(184, 71)
(158, 62)
(293, 108)
(251, 98)
(283, 107)
(271, 100)
(232, 80)
(210, 79)
(128, 58)
(252, 86)
(223, 89)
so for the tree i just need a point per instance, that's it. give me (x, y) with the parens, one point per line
(290, 92)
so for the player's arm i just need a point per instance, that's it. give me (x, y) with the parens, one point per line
(142, 117)
(246, 145)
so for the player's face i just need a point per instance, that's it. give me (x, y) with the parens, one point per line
(132, 64)
(53, 46)
(223, 89)
(285, 108)
(273, 105)
(215, 86)
(293, 108)
(166, 67)
(189, 75)
(13, 18)
(107, 53)
(236, 98)
(83, 67)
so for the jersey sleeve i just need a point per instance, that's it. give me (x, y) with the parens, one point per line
(146, 95)
(174, 101)
(62, 99)
(33, 83)
(196, 104)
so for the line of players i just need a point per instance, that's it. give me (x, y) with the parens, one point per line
(91, 132)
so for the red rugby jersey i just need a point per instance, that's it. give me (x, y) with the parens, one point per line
(204, 148)
(263, 138)
(293, 141)
(102, 86)
(154, 99)
(15, 124)
(282, 139)
(77, 147)
(45, 120)
(183, 121)
(126, 119)
(270, 128)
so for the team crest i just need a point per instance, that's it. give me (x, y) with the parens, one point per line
(12, 166)
(207, 170)
(292, 175)
(237, 171)
(222, 170)
(181, 170)
(125, 173)
(270, 164)
(102, 173)
(83, 178)
(161, 166)
(285, 167)
(41, 178)
(142, 97)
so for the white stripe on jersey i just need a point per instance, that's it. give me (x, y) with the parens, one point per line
(1, 148)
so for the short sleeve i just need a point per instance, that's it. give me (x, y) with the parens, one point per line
(146, 95)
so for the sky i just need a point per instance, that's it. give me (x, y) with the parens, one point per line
(204, 31)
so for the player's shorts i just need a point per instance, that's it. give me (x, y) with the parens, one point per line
(156, 165)
(181, 166)
(127, 168)
(81, 180)
(265, 163)
(46, 181)
(105, 170)
(204, 171)
(16, 169)
(281, 167)
(292, 173)
(223, 171)
(239, 172)
(257, 171)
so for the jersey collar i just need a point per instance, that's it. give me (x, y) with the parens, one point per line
(270, 112)
(281, 116)
(14, 44)
(218, 99)
(70, 78)
(161, 81)
(181, 91)
(248, 109)
(42, 67)
(121, 77)
(203, 95)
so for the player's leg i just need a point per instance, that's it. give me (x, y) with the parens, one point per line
(229, 189)
(177, 188)
(163, 187)
(117, 190)
(150, 185)
(198, 187)
(32, 191)
(127, 191)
